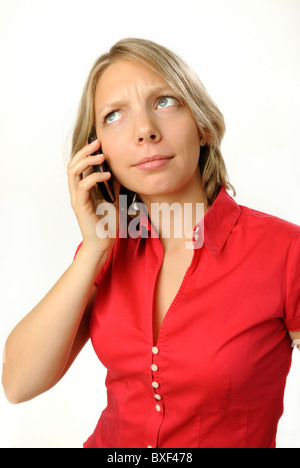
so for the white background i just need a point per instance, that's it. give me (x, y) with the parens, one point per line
(247, 55)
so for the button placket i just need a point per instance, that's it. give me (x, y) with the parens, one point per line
(155, 384)
(157, 414)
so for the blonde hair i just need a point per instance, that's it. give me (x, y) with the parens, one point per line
(184, 81)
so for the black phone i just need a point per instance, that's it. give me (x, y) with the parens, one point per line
(106, 188)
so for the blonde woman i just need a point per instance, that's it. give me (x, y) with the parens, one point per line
(197, 341)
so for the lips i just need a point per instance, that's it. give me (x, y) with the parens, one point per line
(150, 161)
(153, 163)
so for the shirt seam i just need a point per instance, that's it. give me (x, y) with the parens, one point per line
(290, 256)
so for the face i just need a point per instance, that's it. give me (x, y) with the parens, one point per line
(148, 136)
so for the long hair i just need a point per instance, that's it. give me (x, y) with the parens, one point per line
(184, 81)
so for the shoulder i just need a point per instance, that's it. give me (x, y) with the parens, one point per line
(268, 225)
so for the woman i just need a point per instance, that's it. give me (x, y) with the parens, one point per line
(197, 342)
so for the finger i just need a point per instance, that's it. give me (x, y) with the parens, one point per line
(75, 172)
(86, 184)
(86, 151)
(82, 165)
(81, 195)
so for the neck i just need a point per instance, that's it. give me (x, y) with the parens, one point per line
(175, 215)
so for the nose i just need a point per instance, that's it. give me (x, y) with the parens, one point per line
(146, 131)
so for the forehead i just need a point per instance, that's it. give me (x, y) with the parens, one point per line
(124, 75)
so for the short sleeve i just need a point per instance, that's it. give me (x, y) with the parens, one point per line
(98, 279)
(292, 303)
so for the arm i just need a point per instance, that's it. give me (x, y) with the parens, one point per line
(48, 339)
(295, 337)
(44, 344)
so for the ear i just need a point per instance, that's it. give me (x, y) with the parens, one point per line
(202, 138)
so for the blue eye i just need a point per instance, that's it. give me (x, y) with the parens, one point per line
(110, 118)
(166, 101)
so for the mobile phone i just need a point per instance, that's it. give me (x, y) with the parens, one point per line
(106, 188)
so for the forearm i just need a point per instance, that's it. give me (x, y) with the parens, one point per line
(38, 349)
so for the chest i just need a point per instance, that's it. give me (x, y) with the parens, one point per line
(168, 283)
(209, 317)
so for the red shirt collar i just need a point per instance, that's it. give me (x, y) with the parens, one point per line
(219, 221)
(213, 230)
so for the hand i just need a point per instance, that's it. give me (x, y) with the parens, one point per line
(80, 185)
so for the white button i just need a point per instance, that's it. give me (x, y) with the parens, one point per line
(196, 237)
(155, 350)
(155, 384)
(154, 367)
(158, 397)
(158, 408)
(149, 446)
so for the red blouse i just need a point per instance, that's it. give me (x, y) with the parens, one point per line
(216, 376)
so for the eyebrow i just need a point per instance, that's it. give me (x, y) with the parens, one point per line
(106, 106)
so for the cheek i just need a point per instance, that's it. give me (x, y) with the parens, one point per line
(192, 135)
(114, 143)
(186, 132)
(116, 157)
(190, 143)
(114, 153)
